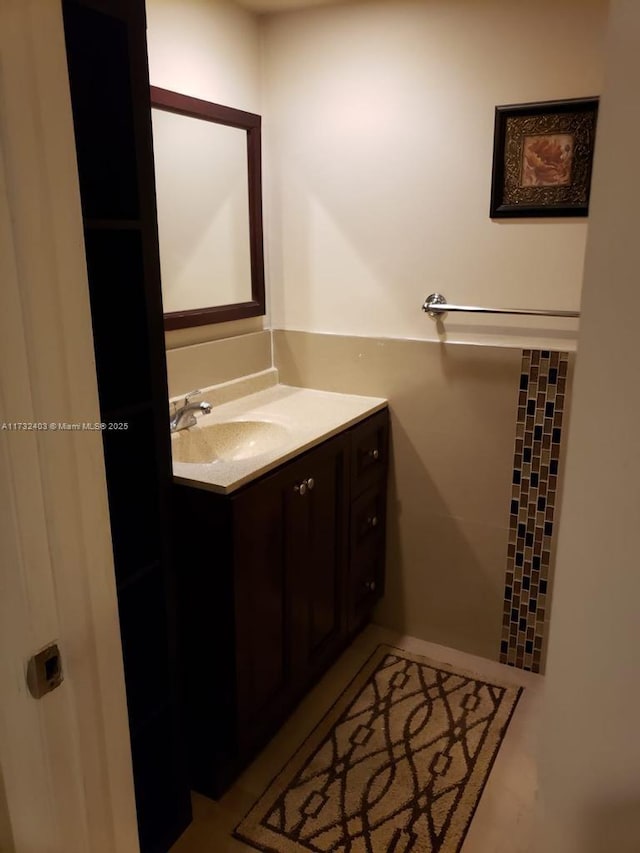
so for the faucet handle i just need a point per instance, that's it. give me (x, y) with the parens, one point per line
(191, 394)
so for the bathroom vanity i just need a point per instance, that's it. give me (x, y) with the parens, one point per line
(277, 569)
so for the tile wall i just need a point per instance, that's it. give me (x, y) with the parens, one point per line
(211, 362)
(534, 500)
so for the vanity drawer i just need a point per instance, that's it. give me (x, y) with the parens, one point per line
(368, 520)
(366, 584)
(369, 450)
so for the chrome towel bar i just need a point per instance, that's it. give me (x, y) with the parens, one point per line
(436, 305)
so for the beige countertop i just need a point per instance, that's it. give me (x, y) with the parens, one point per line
(271, 427)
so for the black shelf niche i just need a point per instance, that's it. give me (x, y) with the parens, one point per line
(108, 72)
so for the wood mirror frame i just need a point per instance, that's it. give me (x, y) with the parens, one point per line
(165, 99)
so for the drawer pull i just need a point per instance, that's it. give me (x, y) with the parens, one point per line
(310, 483)
(370, 585)
(374, 454)
(372, 521)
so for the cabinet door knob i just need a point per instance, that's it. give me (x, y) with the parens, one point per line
(374, 454)
(372, 521)
(301, 489)
(372, 586)
(310, 483)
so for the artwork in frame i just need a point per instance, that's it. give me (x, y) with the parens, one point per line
(542, 158)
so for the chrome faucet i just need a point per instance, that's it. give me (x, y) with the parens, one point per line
(184, 415)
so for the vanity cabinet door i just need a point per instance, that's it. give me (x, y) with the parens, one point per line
(263, 665)
(316, 520)
(289, 557)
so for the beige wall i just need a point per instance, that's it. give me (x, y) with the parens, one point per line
(591, 750)
(378, 132)
(453, 418)
(199, 365)
(379, 121)
(205, 48)
(209, 49)
(378, 124)
(379, 127)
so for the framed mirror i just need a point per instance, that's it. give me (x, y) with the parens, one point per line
(209, 198)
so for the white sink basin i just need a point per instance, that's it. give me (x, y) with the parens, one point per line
(245, 438)
(229, 441)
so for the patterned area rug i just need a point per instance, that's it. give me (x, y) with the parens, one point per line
(396, 766)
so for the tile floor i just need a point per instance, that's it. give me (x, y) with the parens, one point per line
(503, 820)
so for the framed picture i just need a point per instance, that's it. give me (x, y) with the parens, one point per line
(542, 158)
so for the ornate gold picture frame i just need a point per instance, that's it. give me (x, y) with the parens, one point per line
(542, 158)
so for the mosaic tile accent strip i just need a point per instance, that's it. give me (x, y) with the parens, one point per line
(541, 405)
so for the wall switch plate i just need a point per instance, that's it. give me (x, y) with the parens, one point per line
(44, 671)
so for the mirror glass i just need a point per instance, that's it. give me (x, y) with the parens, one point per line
(203, 211)
(207, 171)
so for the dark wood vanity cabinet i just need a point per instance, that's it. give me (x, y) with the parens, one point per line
(274, 581)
